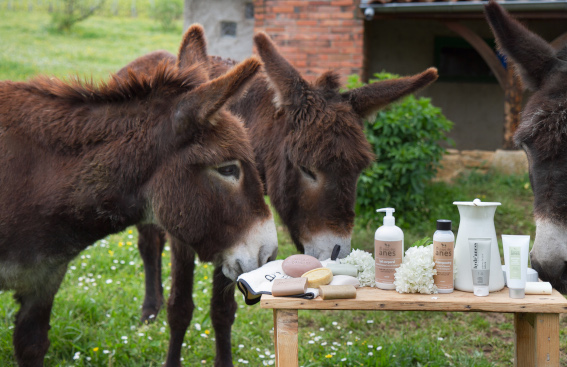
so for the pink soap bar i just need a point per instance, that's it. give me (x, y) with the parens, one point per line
(296, 265)
(289, 287)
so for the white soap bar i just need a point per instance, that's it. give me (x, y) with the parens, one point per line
(345, 280)
(538, 288)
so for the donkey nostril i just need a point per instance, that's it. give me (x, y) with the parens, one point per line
(239, 268)
(273, 255)
(265, 256)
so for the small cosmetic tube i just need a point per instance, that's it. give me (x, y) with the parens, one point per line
(480, 265)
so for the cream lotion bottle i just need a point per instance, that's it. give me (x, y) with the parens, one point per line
(389, 250)
(443, 249)
(516, 249)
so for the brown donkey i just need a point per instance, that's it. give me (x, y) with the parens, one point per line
(543, 136)
(310, 150)
(80, 161)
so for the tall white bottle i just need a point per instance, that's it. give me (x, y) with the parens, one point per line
(389, 250)
(443, 248)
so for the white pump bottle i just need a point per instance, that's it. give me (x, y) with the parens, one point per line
(389, 250)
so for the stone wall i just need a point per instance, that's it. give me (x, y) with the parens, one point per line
(230, 14)
(456, 162)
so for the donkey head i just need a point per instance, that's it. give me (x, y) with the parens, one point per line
(208, 192)
(543, 136)
(311, 178)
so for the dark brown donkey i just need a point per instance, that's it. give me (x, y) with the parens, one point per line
(310, 150)
(543, 136)
(80, 161)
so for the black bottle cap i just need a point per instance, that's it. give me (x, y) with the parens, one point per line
(444, 225)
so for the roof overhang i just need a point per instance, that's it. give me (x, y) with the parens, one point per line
(463, 9)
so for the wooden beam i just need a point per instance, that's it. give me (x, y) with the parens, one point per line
(468, 16)
(536, 340)
(483, 49)
(285, 338)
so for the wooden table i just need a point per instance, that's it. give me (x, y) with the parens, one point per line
(536, 318)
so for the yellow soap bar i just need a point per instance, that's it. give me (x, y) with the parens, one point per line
(317, 277)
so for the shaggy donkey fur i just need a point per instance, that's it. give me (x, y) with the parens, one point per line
(543, 135)
(81, 161)
(310, 150)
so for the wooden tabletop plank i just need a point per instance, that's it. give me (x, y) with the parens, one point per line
(378, 299)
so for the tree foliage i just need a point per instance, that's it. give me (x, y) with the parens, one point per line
(73, 12)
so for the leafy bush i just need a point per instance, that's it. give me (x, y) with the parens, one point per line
(406, 138)
(166, 12)
(73, 12)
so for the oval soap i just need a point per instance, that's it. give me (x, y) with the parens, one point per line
(296, 265)
(343, 269)
(317, 277)
(345, 280)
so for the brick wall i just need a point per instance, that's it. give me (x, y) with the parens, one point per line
(314, 36)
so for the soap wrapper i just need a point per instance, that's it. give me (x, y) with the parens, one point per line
(260, 281)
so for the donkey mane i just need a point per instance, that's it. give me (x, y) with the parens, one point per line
(163, 78)
(333, 142)
(546, 128)
(68, 117)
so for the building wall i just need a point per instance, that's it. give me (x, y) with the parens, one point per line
(407, 47)
(210, 14)
(315, 36)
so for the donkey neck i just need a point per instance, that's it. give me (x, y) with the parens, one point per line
(103, 151)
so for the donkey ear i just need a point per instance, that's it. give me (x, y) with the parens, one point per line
(534, 56)
(287, 83)
(328, 80)
(202, 103)
(368, 99)
(193, 48)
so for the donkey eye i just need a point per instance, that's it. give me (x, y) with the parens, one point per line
(307, 172)
(229, 170)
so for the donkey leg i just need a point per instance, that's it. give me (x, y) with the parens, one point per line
(32, 321)
(151, 240)
(30, 333)
(180, 305)
(223, 309)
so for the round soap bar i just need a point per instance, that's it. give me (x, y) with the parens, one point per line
(295, 265)
(317, 277)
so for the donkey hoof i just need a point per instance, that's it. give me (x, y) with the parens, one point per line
(149, 316)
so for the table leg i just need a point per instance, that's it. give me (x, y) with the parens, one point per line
(536, 340)
(285, 338)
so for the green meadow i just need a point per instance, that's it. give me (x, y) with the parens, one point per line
(95, 319)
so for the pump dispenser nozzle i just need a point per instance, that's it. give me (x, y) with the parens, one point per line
(389, 219)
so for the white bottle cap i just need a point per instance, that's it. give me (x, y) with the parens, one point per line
(480, 290)
(517, 293)
(389, 219)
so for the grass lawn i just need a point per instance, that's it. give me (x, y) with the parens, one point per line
(95, 320)
(95, 48)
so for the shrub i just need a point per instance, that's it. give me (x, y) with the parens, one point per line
(73, 12)
(166, 12)
(407, 139)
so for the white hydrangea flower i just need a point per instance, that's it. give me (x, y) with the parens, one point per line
(365, 265)
(415, 274)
